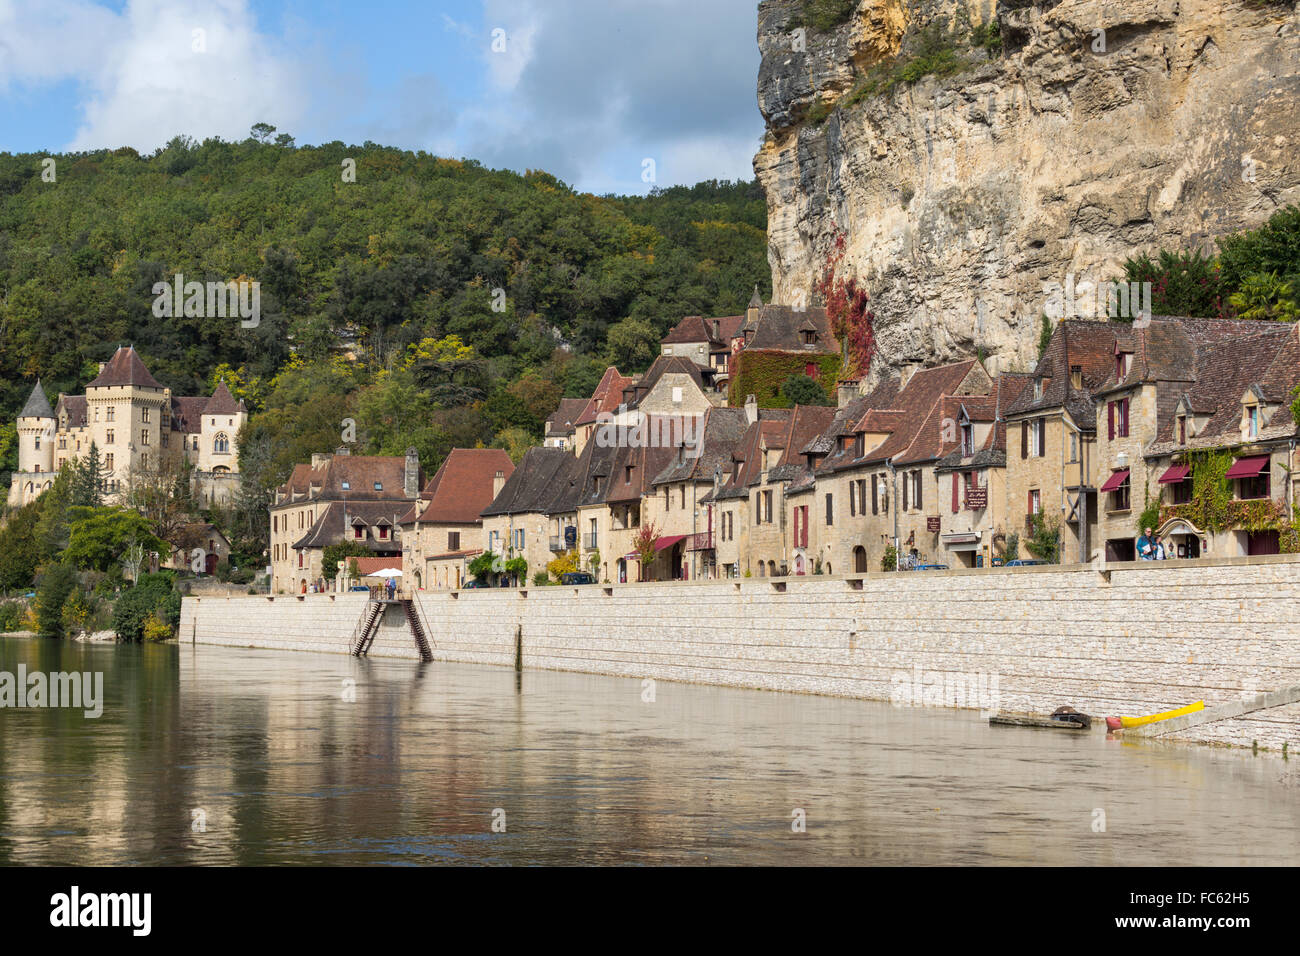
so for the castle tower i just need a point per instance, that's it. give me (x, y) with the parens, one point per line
(36, 433)
(128, 417)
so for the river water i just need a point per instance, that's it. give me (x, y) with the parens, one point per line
(207, 755)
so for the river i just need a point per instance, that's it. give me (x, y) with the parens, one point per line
(209, 755)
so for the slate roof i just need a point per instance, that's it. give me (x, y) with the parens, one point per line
(187, 414)
(462, 487)
(561, 421)
(222, 402)
(770, 429)
(74, 407)
(124, 368)
(635, 391)
(779, 327)
(534, 485)
(38, 406)
(722, 429)
(335, 524)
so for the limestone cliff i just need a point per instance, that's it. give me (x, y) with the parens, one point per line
(1054, 137)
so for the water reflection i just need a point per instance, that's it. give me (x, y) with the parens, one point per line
(303, 758)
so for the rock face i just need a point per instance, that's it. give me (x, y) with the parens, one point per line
(1101, 129)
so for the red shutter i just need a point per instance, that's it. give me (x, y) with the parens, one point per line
(1110, 420)
(1024, 439)
(955, 484)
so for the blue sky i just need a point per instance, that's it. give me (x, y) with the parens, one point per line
(585, 89)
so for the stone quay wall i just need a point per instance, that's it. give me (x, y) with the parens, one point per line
(1129, 639)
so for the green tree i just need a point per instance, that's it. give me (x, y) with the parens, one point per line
(56, 584)
(1265, 296)
(802, 390)
(632, 345)
(98, 536)
(334, 553)
(19, 553)
(86, 485)
(483, 565)
(1183, 283)
(155, 596)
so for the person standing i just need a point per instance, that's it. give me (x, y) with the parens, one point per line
(1146, 546)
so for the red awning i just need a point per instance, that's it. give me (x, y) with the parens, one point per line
(1175, 473)
(1247, 467)
(669, 541)
(1116, 479)
(660, 544)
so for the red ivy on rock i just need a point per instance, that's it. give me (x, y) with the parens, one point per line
(852, 323)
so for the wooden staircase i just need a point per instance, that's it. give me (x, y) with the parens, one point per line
(367, 628)
(417, 629)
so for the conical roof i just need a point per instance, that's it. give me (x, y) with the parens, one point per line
(38, 406)
(222, 402)
(124, 368)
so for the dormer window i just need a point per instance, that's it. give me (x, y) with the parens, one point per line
(1182, 429)
(810, 338)
(1038, 389)
(967, 440)
(379, 486)
(359, 532)
(1123, 361)
(1076, 376)
(1252, 421)
(347, 486)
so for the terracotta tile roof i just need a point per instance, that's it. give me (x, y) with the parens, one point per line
(360, 474)
(608, 393)
(715, 332)
(1086, 343)
(368, 566)
(124, 368)
(806, 423)
(464, 485)
(772, 427)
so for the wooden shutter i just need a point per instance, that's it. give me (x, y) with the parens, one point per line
(954, 492)
(1024, 439)
(875, 495)
(906, 478)
(918, 490)
(1110, 420)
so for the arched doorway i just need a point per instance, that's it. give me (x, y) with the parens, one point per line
(859, 560)
(771, 569)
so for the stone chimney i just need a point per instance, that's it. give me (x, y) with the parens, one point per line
(411, 475)
(498, 482)
(847, 390)
(717, 330)
(755, 303)
(320, 459)
(343, 450)
(751, 409)
(905, 374)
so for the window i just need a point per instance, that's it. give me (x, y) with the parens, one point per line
(108, 461)
(144, 436)
(108, 413)
(379, 486)
(967, 440)
(810, 369)
(830, 509)
(111, 438)
(1123, 360)
(1033, 438)
(677, 395)
(767, 506)
(1117, 418)
(810, 338)
(801, 526)
(144, 415)
(38, 442)
(1252, 421)
(758, 508)
(916, 490)
(347, 486)
(1256, 487)
(1035, 502)
(383, 533)
(221, 444)
(1182, 491)
(1038, 389)
(627, 474)
(1119, 498)
(195, 445)
(1182, 429)
(684, 496)
(358, 532)
(1074, 446)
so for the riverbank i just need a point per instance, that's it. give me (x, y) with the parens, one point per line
(1131, 639)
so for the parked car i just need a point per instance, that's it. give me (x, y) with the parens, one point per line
(477, 583)
(577, 577)
(1022, 563)
(929, 567)
(360, 587)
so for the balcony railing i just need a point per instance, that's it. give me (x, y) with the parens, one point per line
(589, 541)
(701, 541)
(557, 543)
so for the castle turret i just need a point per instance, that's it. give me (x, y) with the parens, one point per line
(36, 433)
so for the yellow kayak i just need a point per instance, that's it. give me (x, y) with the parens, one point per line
(1115, 723)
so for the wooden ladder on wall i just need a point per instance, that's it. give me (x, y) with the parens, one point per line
(367, 628)
(417, 629)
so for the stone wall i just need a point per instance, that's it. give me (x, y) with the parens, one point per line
(1135, 639)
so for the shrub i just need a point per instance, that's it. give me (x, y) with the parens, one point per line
(889, 560)
(802, 390)
(11, 616)
(156, 629)
(78, 613)
(155, 595)
(541, 579)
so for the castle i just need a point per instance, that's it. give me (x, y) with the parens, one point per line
(138, 428)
